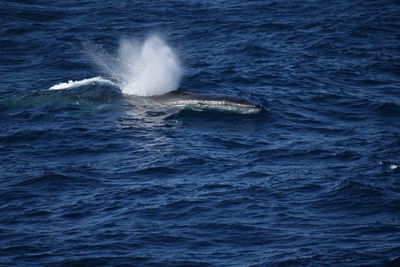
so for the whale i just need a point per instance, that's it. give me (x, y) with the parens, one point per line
(98, 88)
(200, 101)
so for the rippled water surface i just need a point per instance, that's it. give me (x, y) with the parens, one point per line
(91, 177)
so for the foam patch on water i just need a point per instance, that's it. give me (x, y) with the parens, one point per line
(393, 166)
(389, 165)
(74, 84)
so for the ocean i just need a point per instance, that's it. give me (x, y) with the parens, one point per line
(91, 174)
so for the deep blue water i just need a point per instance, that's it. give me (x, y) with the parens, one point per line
(97, 180)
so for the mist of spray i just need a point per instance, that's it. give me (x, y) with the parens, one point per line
(141, 68)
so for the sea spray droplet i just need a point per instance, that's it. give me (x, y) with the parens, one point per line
(143, 69)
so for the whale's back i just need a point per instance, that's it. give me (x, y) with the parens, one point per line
(199, 101)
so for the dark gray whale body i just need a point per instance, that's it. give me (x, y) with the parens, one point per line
(100, 89)
(199, 101)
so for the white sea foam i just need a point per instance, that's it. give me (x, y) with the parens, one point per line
(393, 166)
(73, 84)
